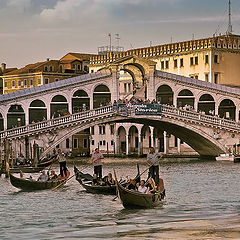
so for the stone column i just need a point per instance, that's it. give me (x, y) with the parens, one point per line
(179, 145)
(127, 144)
(139, 144)
(166, 142)
(115, 83)
(237, 114)
(5, 120)
(48, 111)
(151, 93)
(174, 100)
(152, 143)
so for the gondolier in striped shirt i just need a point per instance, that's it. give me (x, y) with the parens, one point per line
(97, 163)
(153, 161)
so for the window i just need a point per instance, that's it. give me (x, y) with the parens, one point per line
(79, 66)
(196, 60)
(22, 83)
(112, 129)
(19, 83)
(216, 59)
(75, 143)
(206, 59)
(93, 142)
(60, 68)
(125, 87)
(216, 80)
(129, 87)
(56, 79)
(104, 142)
(5, 84)
(191, 61)
(50, 68)
(100, 129)
(73, 66)
(45, 68)
(85, 143)
(100, 143)
(112, 142)
(13, 84)
(67, 143)
(103, 129)
(167, 64)
(92, 71)
(196, 76)
(31, 82)
(39, 81)
(162, 65)
(175, 63)
(92, 130)
(46, 80)
(25, 82)
(181, 62)
(206, 77)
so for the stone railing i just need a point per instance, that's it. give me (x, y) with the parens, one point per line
(51, 123)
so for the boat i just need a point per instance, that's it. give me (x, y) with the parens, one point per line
(28, 184)
(135, 199)
(31, 169)
(86, 181)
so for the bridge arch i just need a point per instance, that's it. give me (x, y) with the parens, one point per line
(15, 116)
(80, 101)
(101, 95)
(37, 111)
(206, 104)
(227, 109)
(165, 94)
(58, 106)
(185, 97)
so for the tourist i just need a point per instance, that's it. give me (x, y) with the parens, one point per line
(62, 161)
(43, 177)
(97, 163)
(142, 188)
(132, 185)
(152, 159)
(53, 175)
(151, 186)
(109, 180)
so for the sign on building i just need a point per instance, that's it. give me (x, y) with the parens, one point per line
(148, 109)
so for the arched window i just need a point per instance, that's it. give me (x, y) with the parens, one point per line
(101, 96)
(80, 101)
(15, 116)
(185, 99)
(37, 111)
(227, 109)
(206, 104)
(164, 95)
(58, 106)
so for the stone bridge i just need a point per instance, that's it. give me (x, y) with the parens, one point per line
(204, 115)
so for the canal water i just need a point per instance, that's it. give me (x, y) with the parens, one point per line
(202, 202)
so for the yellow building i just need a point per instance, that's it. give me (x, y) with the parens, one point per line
(214, 59)
(40, 73)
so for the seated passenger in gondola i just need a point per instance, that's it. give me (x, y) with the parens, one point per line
(152, 188)
(53, 175)
(43, 177)
(142, 188)
(109, 180)
(95, 180)
(132, 185)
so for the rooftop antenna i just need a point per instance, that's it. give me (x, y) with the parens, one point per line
(171, 39)
(150, 43)
(193, 37)
(230, 29)
(110, 40)
(117, 38)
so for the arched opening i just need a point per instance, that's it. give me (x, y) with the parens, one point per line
(206, 104)
(126, 83)
(1, 123)
(164, 95)
(122, 140)
(58, 106)
(37, 111)
(15, 116)
(101, 96)
(80, 101)
(227, 109)
(133, 141)
(146, 139)
(185, 99)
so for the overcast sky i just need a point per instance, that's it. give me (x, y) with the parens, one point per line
(33, 30)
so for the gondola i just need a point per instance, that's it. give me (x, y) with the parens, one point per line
(32, 185)
(135, 199)
(86, 181)
(31, 169)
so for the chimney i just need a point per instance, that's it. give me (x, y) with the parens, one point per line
(48, 59)
(3, 67)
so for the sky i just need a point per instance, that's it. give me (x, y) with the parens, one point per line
(34, 30)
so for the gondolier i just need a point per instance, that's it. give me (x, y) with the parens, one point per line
(62, 161)
(97, 163)
(152, 159)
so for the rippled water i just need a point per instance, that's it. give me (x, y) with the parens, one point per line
(202, 203)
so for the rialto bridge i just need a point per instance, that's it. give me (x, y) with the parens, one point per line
(204, 115)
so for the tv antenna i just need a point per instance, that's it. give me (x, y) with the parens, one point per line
(230, 28)
(118, 39)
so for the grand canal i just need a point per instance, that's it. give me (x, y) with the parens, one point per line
(202, 203)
